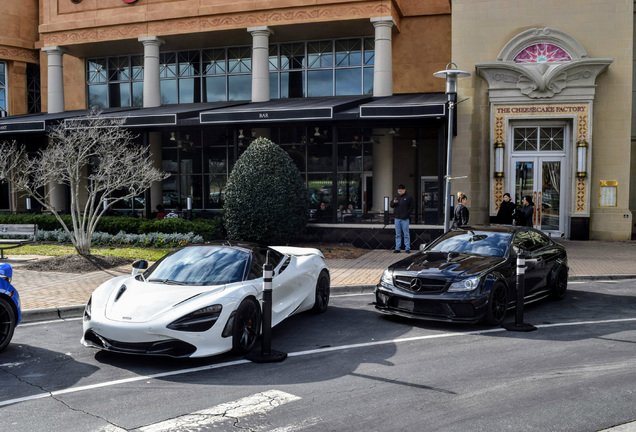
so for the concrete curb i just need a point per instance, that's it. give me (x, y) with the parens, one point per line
(69, 312)
(47, 314)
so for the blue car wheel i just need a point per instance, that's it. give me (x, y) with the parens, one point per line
(7, 323)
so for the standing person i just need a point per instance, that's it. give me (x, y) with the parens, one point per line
(403, 205)
(323, 213)
(506, 209)
(161, 212)
(527, 210)
(461, 211)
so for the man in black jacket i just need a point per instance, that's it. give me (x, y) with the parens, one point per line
(403, 205)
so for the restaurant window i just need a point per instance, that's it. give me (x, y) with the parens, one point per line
(115, 81)
(299, 69)
(34, 101)
(321, 68)
(198, 168)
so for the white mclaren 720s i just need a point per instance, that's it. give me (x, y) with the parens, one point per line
(203, 300)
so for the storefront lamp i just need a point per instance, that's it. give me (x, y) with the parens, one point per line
(451, 74)
(499, 149)
(581, 164)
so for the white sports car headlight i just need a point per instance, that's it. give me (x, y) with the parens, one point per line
(387, 278)
(464, 285)
(198, 321)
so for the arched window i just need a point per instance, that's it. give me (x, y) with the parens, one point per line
(542, 53)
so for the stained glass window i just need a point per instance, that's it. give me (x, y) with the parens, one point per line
(542, 53)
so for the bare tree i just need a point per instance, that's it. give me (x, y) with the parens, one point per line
(94, 156)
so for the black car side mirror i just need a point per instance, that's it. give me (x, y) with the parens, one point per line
(139, 265)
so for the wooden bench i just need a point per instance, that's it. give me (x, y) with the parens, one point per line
(28, 232)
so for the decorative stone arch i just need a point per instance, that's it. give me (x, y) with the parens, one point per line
(545, 35)
(546, 74)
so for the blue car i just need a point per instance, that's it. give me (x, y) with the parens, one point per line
(10, 314)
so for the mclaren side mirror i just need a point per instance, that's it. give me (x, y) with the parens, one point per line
(139, 265)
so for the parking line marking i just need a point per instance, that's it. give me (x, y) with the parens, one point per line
(296, 354)
(260, 403)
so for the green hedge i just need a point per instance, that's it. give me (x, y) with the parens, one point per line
(209, 229)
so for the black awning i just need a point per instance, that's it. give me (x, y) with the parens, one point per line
(283, 110)
(34, 122)
(405, 106)
(167, 115)
(339, 108)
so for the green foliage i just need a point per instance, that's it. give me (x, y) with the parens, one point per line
(209, 229)
(123, 239)
(266, 199)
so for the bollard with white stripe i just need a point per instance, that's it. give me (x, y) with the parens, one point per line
(267, 355)
(521, 274)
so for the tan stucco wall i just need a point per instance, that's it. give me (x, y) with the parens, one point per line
(605, 29)
(421, 48)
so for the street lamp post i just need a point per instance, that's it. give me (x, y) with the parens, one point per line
(450, 74)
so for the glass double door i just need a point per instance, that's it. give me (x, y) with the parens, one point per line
(542, 179)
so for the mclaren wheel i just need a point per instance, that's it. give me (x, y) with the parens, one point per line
(323, 290)
(559, 284)
(247, 325)
(497, 305)
(7, 323)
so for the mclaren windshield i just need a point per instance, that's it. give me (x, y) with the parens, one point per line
(200, 265)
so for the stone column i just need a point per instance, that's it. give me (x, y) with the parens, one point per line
(152, 87)
(383, 68)
(57, 196)
(382, 169)
(55, 79)
(260, 63)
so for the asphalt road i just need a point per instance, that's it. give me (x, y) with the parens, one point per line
(348, 369)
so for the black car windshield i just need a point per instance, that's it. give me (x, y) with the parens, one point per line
(473, 242)
(200, 265)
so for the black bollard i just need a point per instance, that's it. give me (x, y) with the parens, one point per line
(267, 355)
(521, 274)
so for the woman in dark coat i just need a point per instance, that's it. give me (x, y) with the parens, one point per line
(527, 210)
(506, 209)
(461, 214)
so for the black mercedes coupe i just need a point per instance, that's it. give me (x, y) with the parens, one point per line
(469, 275)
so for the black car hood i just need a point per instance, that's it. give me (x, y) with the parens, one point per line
(447, 265)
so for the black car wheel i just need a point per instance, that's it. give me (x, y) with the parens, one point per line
(323, 290)
(7, 323)
(559, 284)
(497, 305)
(247, 325)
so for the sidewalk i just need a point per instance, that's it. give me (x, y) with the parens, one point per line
(52, 295)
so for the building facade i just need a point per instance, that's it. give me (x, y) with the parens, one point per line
(549, 111)
(346, 87)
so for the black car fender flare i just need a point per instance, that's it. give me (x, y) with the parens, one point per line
(491, 279)
(553, 273)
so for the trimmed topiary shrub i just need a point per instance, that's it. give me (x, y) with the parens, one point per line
(266, 200)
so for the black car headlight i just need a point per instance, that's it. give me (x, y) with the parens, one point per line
(198, 321)
(87, 309)
(464, 285)
(387, 278)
